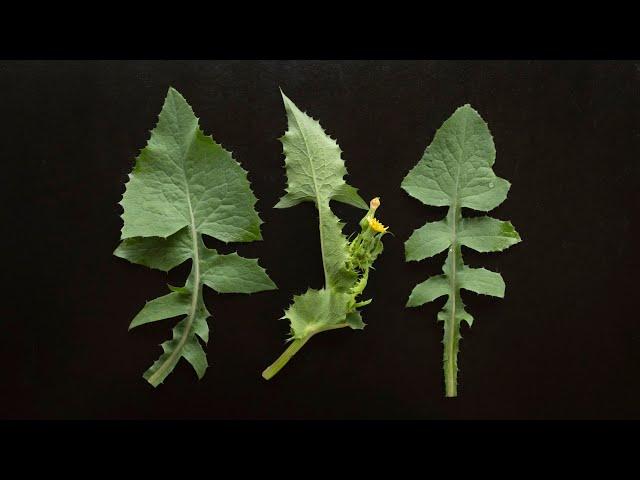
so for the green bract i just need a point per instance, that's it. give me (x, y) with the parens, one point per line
(185, 185)
(455, 171)
(315, 172)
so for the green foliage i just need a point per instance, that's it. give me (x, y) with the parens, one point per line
(315, 173)
(455, 171)
(183, 186)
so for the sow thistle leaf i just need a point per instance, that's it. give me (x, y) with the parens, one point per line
(315, 169)
(182, 178)
(156, 252)
(184, 185)
(315, 173)
(428, 240)
(316, 310)
(168, 306)
(486, 234)
(455, 171)
(234, 274)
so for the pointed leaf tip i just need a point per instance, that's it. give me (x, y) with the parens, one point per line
(284, 96)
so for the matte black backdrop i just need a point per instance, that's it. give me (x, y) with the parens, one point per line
(563, 343)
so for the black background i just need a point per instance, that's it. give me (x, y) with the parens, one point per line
(564, 343)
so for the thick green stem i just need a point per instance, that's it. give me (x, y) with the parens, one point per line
(451, 325)
(451, 367)
(452, 389)
(282, 360)
(292, 349)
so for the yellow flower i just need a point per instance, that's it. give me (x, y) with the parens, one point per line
(376, 226)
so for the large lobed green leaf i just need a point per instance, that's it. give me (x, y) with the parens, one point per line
(315, 173)
(455, 171)
(185, 185)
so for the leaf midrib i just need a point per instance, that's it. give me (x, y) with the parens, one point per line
(319, 199)
(456, 214)
(177, 352)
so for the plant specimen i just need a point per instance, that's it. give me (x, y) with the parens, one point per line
(183, 186)
(315, 173)
(455, 171)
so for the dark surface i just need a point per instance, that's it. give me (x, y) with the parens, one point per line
(563, 343)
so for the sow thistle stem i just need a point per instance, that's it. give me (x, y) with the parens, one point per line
(292, 349)
(315, 173)
(362, 251)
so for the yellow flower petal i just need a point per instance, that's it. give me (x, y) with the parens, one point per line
(376, 226)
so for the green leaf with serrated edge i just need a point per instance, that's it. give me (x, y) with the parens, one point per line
(200, 324)
(480, 280)
(157, 252)
(316, 310)
(173, 351)
(234, 274)
(428, 240)
(315, 173)
(455, 171)
(486, 234)
(429, 290)
(168, 306)
(354, 320)
(183, 186)
(183, 178)
(349, 195)
(173, 288)
(195, 355)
